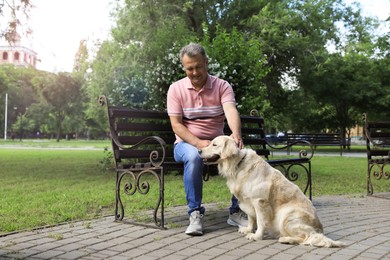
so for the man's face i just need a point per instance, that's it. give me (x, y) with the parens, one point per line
(196, 70)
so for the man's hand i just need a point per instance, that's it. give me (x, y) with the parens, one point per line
(202, 143)
(237, 138)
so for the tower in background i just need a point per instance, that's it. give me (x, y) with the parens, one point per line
(17, 53)
(15, 49)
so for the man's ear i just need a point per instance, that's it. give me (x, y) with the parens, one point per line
(229, 149)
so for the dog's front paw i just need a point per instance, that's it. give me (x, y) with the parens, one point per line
(253, 236)
(245, 230)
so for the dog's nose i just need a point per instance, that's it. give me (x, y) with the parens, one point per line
(200, 151)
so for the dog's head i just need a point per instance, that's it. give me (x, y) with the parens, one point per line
(221, 147)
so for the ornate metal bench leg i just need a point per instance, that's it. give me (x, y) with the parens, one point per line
(119, 210)
(370, 189)
(160, 203)
(309, 181)
(136, 183)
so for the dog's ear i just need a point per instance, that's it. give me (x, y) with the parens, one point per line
(229, 149)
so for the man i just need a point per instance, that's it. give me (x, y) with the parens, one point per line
(197, 106)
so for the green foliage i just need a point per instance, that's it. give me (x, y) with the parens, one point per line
(107, 162)
(18, 84)
(81, 59)
(116, 72)
(19, 10)
(63, 94)
(238, 59)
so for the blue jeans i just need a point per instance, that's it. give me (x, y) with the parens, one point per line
(193, 177)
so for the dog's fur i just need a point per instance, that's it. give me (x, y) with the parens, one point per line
(272, 203)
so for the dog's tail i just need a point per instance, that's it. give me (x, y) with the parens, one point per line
(320, 240)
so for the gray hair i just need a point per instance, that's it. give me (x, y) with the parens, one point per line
(192, 50)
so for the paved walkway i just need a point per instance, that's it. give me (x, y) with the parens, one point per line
(362, 222)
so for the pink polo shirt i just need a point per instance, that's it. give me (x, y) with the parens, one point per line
(202, 111)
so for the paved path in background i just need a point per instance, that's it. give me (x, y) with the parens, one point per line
(362, 222)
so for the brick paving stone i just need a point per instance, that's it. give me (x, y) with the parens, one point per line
(91, 241)
(226, 257)
(238, 252)
(75, 254)
(152, 246)
(190, 251)
(311, 257)
(101, 246)
(178, 246)
(215, 251)
(22, 254)
(48, 254)
(123, 247)
(108, 253)
(175, 257)
(70, 247)
(256, 256)
(135, 252)
(148, 257)
(116, 257)
(160, 253)
(45, 247)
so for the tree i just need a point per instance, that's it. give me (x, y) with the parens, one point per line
(238, 58)
(290, 32)
(17, 82)
(81, 59)
(295, 37)
(346, 84)
(64, 96)
(300, 38)
(346, 79)
(11, 14)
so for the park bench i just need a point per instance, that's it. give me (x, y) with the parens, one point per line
(377, 135)
(142, 143)
(319, 139)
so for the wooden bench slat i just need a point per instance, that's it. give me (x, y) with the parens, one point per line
(131, 140)
(288, 161)
(144, 127)
(125, 112)
(378, 153)
(375, 134)
(385, 125)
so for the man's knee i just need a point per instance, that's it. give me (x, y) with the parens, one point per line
(195, 159)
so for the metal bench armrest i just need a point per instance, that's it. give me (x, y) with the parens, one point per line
(302, 153)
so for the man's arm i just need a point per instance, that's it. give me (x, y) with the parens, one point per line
(234, 122)
(181, 130)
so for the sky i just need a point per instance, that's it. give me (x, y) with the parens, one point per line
(59, 25)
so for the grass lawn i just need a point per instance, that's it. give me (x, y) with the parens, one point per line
(49, 186)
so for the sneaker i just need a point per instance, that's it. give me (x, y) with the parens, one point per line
(238, 219)
(196, 224)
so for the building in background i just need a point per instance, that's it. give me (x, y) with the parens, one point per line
(17, 53)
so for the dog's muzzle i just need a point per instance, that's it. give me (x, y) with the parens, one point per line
(213, 158)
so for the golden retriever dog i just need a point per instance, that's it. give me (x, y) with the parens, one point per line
(271, 201)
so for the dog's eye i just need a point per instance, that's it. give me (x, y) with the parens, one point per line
(214, 144)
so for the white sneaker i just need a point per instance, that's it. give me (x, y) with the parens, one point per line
(238, 219)
(196, 224)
